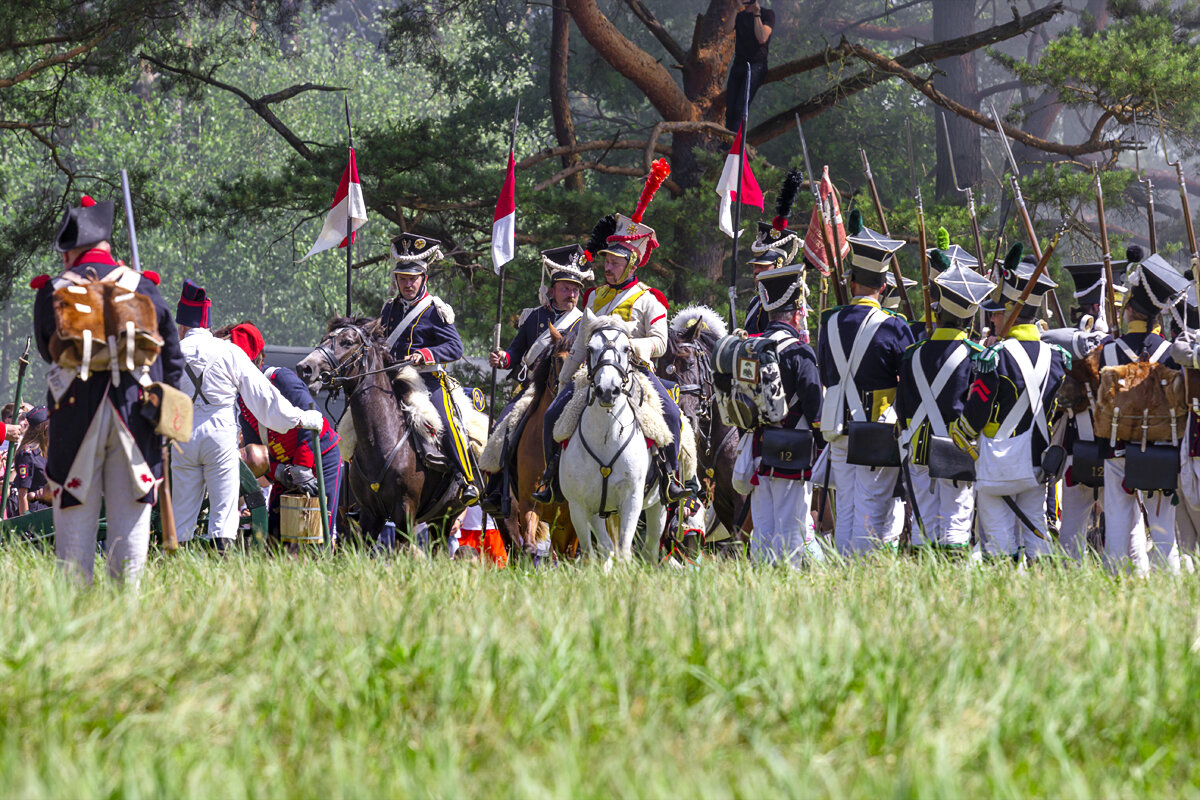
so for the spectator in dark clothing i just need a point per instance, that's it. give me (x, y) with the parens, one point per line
(30, 463)
(752, 29)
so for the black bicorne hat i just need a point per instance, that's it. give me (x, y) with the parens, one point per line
(89, 224)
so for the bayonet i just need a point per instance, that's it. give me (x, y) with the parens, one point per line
(814, 183)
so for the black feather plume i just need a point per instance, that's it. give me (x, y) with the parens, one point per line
(603, 229)
(787, 197)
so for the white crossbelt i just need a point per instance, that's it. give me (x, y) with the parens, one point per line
(845, 392)
(1110, 352)
(562, 324)
(929, 393)
(1035, 377)
(409, 319)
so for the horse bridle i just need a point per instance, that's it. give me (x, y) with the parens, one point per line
(601, 360)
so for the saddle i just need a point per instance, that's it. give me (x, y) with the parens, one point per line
(104, 323)
(644, 400)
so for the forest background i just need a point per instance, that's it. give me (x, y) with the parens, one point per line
(229, 117)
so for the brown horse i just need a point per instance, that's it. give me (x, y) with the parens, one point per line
(527, 461)
(688, 363)
(392, 416)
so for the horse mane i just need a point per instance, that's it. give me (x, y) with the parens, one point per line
(540, 374)
(369, 324)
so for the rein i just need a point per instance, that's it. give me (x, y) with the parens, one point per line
(594, 365)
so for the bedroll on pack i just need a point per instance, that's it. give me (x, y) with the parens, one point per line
(748, 382)
(1140, 402)
(104, 324)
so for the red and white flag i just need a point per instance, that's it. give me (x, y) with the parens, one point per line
(727, 187)
(814, 245)
(504, 222)
(348, 208)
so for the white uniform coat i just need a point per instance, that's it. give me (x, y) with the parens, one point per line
(210, 460)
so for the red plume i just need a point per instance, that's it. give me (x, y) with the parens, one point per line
(86, 201)
(39, 282)
(659, 171)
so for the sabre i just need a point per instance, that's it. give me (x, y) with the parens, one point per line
(874, 192)
(921, 237)
(1110, 295)
(839, 288)
(1037, 274)
(1026, 220)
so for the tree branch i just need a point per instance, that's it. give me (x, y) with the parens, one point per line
(655, 27)
(584, 147)
(920, 33)
(58, 58)
(675, 127)
(782, 122)
(597, 166)
(634, 63)
(260, 106)
(1094, 143)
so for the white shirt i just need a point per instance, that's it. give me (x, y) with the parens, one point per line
(225, 372)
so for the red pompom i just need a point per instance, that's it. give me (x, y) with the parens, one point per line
(39, 282)
(587, 254)
(779, 223)
(152, 276)
(86, 201)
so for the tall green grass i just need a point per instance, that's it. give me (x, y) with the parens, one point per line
(360, 678)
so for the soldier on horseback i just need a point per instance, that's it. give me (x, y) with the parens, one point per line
(420, 331)
(628, 247)
(560, 309)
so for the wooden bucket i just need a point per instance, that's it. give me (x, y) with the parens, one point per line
(300, 519)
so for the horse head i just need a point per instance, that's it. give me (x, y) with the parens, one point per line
(343, 348)
(609, 353)
(688, 358)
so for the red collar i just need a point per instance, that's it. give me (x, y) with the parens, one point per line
(95, 256)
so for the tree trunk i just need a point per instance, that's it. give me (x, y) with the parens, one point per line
(957, 79)
(560, 102)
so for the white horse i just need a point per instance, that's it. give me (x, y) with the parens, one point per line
(606, 462)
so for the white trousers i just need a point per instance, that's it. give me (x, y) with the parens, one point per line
(945, 510)
(128, 534)
(867, 515)
(782, 530)
(1077, 502)
(208, 462)
(1001, 531)
(1126, 538)
(1187, 527)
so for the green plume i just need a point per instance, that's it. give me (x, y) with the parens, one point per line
(855, 225)
(943, 239)
(1013, 258)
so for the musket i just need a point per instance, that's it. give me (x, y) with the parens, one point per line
(22, 365)
(1026, 220)
(1183, 197)
(1110, 295)
(1037, 274)
(814, 183)
(971, 211)
(922, 240)
(874, 191)
(1149, 184)
(512, 143)
(170, 538)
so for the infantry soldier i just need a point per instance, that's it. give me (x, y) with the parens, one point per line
(102, 448)
(622, 295)
(566, 269)
(421, 332)
(218, 375)
(934, 379)
(860, 352)
(774, 235)
(1008, 411)
(1080, 490)
(1153, 286)
(782, 494)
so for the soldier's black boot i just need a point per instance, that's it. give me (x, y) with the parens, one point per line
(673, 491)
(548, 490)
(493, 501)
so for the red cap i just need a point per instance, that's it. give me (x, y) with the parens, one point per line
(247, 337)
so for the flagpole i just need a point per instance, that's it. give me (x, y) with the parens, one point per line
(737, 205)
(349, 217)
(512, 149)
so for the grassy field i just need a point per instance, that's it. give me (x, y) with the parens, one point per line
(359, 678)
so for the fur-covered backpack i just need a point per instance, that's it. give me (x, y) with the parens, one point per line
(103, 323)
(748, 381)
